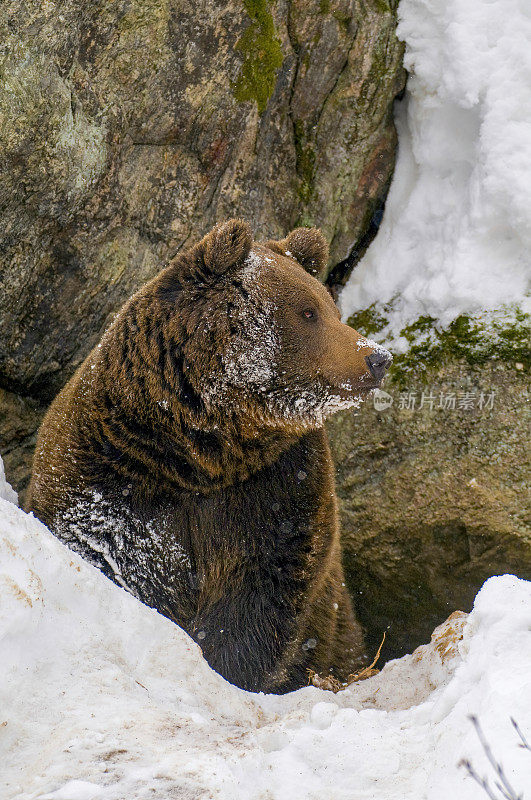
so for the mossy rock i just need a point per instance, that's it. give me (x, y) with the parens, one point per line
(262, 52)
(433, 488)
(500, 335)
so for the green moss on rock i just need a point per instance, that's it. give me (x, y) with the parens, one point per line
(305, 155)
(262, 52)
(499, 335)
(474, 339)
(384, 6)
(368, 322)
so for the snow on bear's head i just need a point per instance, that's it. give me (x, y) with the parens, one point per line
(253, 330)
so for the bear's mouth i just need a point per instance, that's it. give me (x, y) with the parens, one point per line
(342, 395)
(360, 386)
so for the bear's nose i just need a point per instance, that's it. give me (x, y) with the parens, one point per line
(378, 363)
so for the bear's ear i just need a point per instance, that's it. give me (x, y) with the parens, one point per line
(226, 247)
(309, 247)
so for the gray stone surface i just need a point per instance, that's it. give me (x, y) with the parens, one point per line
(128, 128)
(433, 502)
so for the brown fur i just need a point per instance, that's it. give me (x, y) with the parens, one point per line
(187, 457)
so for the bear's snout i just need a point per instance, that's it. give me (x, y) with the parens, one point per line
(378, 363)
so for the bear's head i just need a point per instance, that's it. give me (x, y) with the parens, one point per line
(253, 330)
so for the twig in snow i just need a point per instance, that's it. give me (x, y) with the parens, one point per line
(502, 784)
(524, 743)
(334, 685)
(369, 671)
(483, 782)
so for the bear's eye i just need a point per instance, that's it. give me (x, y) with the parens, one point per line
(309, 313)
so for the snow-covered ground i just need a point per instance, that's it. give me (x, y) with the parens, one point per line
(102, 698)
(456, 233)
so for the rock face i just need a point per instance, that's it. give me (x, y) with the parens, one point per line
(128, 128)
(20, 418)
(433, 500)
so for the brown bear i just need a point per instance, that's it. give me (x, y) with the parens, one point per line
(187, 459)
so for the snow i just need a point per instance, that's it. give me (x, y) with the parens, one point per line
(251, 357)
(6, 491)
(101, 698)
(456, 232)
(249, 360)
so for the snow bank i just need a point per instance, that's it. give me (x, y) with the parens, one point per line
(6, 491)
(103, 699)
(456, 233)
